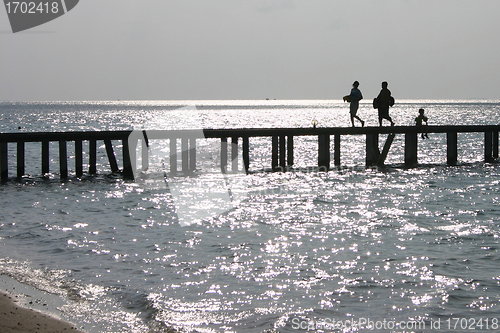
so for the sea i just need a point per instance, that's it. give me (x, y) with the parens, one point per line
(354, 249)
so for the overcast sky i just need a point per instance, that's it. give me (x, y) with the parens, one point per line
(255, 49)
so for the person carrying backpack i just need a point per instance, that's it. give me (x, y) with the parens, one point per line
(354, 98)
(383, 101)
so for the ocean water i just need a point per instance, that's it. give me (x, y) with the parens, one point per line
(350, 250)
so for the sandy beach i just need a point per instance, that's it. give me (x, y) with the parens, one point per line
(18, 319)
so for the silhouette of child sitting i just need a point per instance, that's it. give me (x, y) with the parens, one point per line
(420, 123)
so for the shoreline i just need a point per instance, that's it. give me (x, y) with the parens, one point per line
(16, 318)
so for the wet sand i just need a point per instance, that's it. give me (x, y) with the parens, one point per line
(14, 318)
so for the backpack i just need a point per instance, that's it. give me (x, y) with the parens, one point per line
(375, 102)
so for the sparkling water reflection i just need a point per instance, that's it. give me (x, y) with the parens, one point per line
(394, 244)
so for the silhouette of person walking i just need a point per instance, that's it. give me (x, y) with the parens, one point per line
(355, 96)
(419, 122)
(383, 101)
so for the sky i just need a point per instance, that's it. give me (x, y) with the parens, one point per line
(255, 49)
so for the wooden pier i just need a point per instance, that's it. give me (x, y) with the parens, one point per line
(282, 141)
(77, 138)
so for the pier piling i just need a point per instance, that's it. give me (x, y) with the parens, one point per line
(385, 150)
(411, 145)
(63, 160)
(451, 148)
(282, 155)
(274, 153)
(145, 154)
(4, 162)
(92, 157)
(20, 159)
(488, 147)
(128, 172)
(45, 157)
(336, 150)
(173, 155)
(289, 157)
(324, 152)
(372, 150)
(185, 154)
(246, 153)
(111, 155)
(223, 154)
(79, 158)
(192, 154)
(234, 153)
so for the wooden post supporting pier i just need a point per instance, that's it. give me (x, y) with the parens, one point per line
(111, 155)
(92, 157)
(488, 147)
(289, 144)
(246, 153)
(234, 153)
(4, 162)
(173, 155)
(274, 153)
(145, 153)
(63, 159)
(185, 154)
(372, 150)
(223, 154)
(45, 157)
(324, 152)
(451, 148)
(78, 158)
(192, 154)
(128, 172)
(385, 150)
(411, 143)
(336, 150)
(20, 159)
